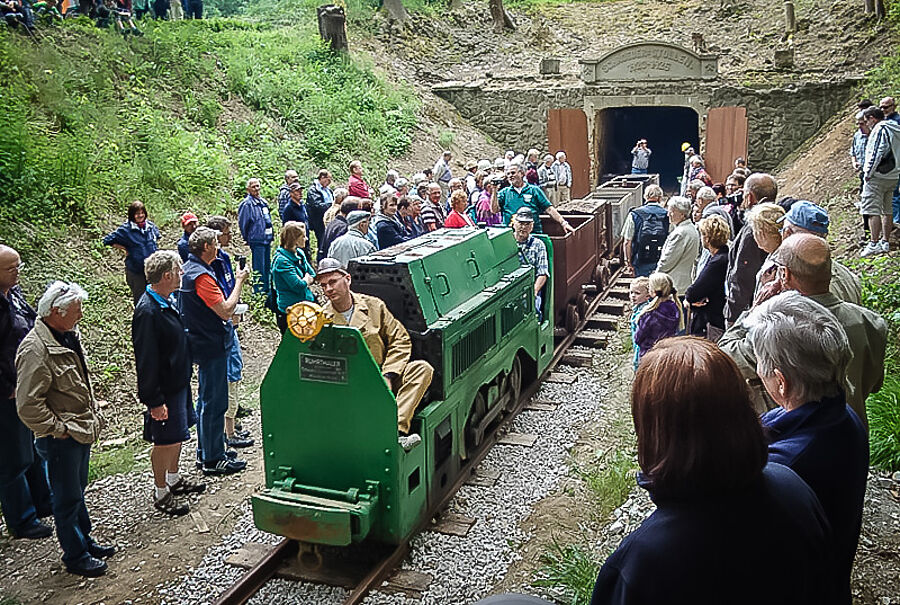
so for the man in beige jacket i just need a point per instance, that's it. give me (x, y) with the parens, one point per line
(55, 400)
(387, 339)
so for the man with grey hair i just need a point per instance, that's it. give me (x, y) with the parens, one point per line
(339, 195)
(547, 179)
(206, 311)
(24, 491)
(255, 222)
(163, 360)
(644, 232)
(354, 243)
(802, 358)
(55, 400)
(563, 171)
(678, 257)
(390, 182)
(804, 265)
(745, 258)
(284, 192)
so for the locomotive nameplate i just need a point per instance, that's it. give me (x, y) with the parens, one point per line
(323, 368)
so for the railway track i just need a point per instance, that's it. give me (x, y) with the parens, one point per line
(598, 318)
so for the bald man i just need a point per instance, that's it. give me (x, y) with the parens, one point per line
(804, 262)
(744, 257)
(24, 490)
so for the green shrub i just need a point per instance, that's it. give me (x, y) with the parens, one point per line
(883, 410)
(571, 567)
(609, 481)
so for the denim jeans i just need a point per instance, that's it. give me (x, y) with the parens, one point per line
(261, 261)
(212, 402)
(895, 203)
(24, 490)
(67, 465)
(638, 170)
(235, 358)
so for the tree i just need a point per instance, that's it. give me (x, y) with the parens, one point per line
(502, 19)
(396, 10)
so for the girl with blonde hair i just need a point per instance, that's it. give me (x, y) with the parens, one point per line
(662, 317)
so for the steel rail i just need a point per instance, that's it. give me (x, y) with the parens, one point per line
(254, 578)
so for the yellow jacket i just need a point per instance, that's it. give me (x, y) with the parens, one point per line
(387, 339)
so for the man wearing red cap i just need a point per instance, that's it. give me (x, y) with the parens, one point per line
(189, 222)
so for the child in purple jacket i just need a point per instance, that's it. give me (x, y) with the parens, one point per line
(662, 317)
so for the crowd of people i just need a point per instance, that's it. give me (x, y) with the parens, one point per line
(733, 287)
(121, 14)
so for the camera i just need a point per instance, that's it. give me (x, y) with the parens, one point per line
(242, 261)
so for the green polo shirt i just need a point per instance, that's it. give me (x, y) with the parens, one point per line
(531, 197)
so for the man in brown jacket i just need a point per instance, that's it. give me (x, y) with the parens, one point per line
(54, 399)
(387, 339)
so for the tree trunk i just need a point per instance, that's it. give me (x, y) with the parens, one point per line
(396, 10)
(456, 5)
(870, 7)
(332, 26)
(879, 9)
(501, 18)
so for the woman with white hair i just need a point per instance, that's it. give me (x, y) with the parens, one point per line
(802, 355)
(55, 400)
(682, 247)
(698, 172)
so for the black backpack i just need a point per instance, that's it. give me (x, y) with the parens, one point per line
(651, 227)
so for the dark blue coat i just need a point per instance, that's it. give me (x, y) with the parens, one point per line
(255, 221)
(767, 544)
(296, 212)
(208, 336)
(390, 233)
(318, 200)
(161, 351)
(183, 248)
(710, 284)
(16, 320)
(140, 243)
(825, 443)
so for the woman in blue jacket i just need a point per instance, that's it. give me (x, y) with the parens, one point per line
(138, 238)
(292, 275)
(728, 526)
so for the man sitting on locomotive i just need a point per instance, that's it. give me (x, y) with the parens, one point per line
(532, 251)
(387, 339)
(520, 194)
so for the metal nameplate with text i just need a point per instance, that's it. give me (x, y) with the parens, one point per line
(323, 368)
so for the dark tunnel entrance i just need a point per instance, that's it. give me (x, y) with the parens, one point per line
(665, 128)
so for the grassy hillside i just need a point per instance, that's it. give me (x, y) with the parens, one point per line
(179, 119)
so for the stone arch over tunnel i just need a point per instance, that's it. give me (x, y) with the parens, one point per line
(666, 128)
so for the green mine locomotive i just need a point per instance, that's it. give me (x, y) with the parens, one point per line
(335, 473)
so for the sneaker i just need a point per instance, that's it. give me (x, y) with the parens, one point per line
(871, 249)
(185, 486)
(88, 567)
(241, 433)
(224, 467)
(169, 505)
(408, 442)
(230, 454)
(238, 441)
(36, 531)
(242, 411)
(98, 551)
(885, 246)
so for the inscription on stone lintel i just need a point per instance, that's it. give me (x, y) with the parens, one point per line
(649, 61)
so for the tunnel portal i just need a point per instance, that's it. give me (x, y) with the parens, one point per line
(665, 128)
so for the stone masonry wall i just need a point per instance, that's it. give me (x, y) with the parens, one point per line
(779, 120)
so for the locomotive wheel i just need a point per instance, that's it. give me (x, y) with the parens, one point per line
(572, 318)
(513, 383)
(605, 275)
(476, 414)
(582, 304)
(597, 276)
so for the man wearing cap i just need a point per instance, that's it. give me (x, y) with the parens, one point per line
(804, 262)
(806, 217)
(255, 222)
(387, 339)
(442, 173)
(563, 172)
(284, 192)
(189, 222)
(532, 251)
(296, 211)
(520, 194)
(547, 179)
(471, 169)
(354, 243)
(319, 199)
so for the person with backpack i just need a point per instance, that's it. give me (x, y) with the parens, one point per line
(644, 233)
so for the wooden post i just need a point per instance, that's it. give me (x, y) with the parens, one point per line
(333, 26)
(790, 18)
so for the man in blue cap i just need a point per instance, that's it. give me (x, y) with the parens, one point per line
(807, 217)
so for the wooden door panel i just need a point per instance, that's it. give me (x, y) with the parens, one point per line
(726, 140)
(567, 131)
